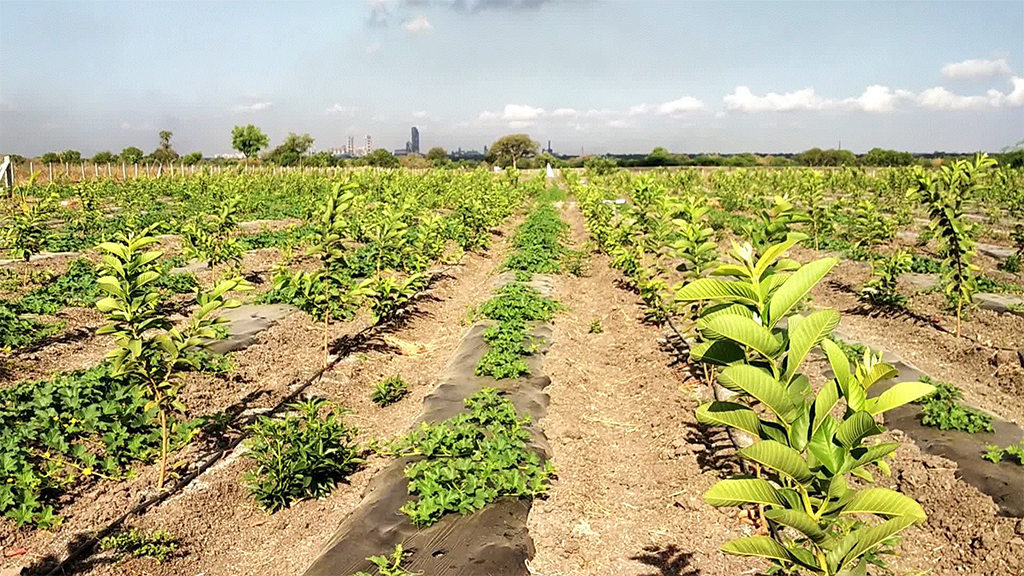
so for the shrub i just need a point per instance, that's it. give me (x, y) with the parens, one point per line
(156, 544)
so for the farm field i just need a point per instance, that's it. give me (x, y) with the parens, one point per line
(605, 372)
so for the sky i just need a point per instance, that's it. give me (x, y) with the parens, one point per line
(591, 76)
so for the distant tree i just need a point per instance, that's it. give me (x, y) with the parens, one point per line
(50, 157)
(164, 152)
(660, 157)
(104, 157)
(546, 158)
(192, 159)
(131, 155)
(320, 159)
(708, 160)
(248, 140)
(1014, 159)
(745, 159)
(437, 156)
(779, 161)
(509, 149)
(70, 156)
(882, 157)
(290, 152)
(831, 157)
(414, 161)
(381, 158)
(600, 165)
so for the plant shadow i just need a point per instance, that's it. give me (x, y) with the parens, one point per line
(719, 454)
(669, 560)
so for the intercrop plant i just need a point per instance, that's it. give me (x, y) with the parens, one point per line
(208, 238)
(881, 289)
(802, 449)
(868, 226)
(774, 223)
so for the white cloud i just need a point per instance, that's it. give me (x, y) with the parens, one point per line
(680, 105)
(878, 99)
(939, 98)
(721, 114)
(618, 124)
(514, 112)
(254, 107)
(1016, 97)
(564, 112)
(342, 110)
(744, 100)
(520, 124)
(419, 114)
(977, 69)
(418, 26)
(638, 110)
(373, 47)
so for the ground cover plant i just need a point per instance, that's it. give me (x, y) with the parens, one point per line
(942, 409)
(155, 544)
(389, 391)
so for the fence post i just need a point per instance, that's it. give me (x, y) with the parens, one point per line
(51, 171)
(136, 169)
(7, 168)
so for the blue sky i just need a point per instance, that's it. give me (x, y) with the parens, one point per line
(596, 75)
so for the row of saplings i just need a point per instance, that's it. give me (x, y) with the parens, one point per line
(462, 463)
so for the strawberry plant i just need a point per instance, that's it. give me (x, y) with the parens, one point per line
(995, 454)
(389, 391)
(304, 455)
(389, 565)
(147, 344)
(470, 460)
(805, 444)
(942, 409)
(155, 544)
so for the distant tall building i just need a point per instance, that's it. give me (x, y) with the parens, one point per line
(415, 143)
(351, 145)
(369, 144)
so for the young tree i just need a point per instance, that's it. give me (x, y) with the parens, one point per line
(70, 156)
(192, 159)
(437, 155)
(291, 150)
(164, 152)
(50, 157)
(131, 155)
(509, 149)
(248, 140)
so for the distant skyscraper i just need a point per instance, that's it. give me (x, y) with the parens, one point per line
(415, 149)
(369, 144)
(351, 145)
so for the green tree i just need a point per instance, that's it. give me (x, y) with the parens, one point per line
(104, 157)
(192, 159)
(50, 157)
(164, 152)
(131, 155)
(882, 157)
(437, 155)
(248, 140)
(290, 152)
(70, 156)
(381, 158)
(509, 149)
(660, 157)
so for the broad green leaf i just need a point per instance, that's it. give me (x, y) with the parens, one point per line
(778, 457)
(743, 331)
(839, 362)
(871, 454)
(824, 403)
(720, 352)
(725, 310)
(716, 290)
(878, 372)
(762, 546)
(730, 414)
(798, 431)
(806, 335)
(824, 449)
(855, 428)
(796, 287)
(867, 539)
(797, 520)
(734, 492)
(757, 383)
(884, 502)
(897, 396)
(772, 253)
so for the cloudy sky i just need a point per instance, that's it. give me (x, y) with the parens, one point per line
(596, 75)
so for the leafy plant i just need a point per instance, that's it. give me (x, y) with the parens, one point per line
(882, 288)
(25, 233)
(944, 196)
(208, 238)
(390, 297)
(17, 330)
(774, 224)
(389, 391)
(389, 566)
(147, 344)
(471, 460)
(596, 327)
(155, 544)
(868, 226)
(995, 454)
(942, 409)
(304, 455)
(802, 452)
(1011, 264)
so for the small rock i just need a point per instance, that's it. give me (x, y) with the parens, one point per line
(1020, 357)
(1019, 528)
(1003, 357)
(1017, 542)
